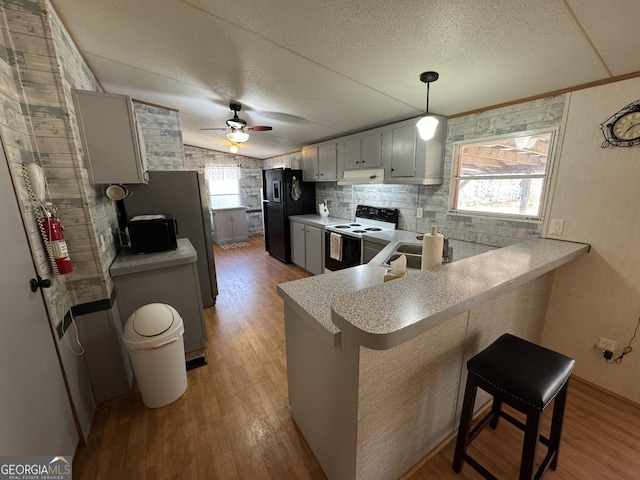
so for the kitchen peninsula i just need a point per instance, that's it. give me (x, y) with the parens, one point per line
(375, 369)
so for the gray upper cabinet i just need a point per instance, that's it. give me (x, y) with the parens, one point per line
(328, 162)
(351, 153)
(403, 151)
(310, 164)
(408, 159)
(371, 150)
(363, 150)
(320, 163)
(405, 157)
(111, 137)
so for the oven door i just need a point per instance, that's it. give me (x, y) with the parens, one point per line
(351, 252)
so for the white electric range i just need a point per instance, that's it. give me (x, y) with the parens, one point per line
(343, 241)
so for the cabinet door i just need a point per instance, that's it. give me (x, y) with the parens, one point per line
(223, 226)
(310, 164)
(313, 250)
(370, 250)
(403, 151)
(351, 154)
(111, 138)
(371, 150)
(239, 222)
(298, 244)
(328, 162)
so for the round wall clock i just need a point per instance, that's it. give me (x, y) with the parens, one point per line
(622, 129)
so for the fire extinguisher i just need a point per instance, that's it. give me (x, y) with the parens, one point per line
(53, 230)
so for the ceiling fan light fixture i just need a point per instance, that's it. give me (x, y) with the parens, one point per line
(238, 136)
(427, 124)
(233, 148)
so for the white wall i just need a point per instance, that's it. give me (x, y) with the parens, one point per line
(598, 195)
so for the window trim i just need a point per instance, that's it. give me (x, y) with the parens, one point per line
(548, 177)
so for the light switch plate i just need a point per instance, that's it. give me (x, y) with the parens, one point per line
(419, 212)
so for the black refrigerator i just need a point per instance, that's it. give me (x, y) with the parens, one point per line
(182, 195)
(284, 194)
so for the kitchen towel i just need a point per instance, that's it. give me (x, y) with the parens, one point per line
(432, 244)
(336, 246)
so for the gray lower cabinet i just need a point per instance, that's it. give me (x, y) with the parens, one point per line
(164, 277)
(306, 247)
(230, 225)
(298, 244)
(371, 248)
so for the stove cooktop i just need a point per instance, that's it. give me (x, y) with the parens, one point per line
(368, 220)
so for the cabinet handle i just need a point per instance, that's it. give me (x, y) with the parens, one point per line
(363, 161)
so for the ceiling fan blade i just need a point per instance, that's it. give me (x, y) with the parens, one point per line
(258, 128)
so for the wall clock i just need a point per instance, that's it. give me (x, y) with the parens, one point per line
(622, 129)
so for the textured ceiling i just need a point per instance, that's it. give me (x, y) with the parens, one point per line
(315, 70)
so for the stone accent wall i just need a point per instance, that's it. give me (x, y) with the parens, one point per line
(197, 158)
(543, 113)
(39, 65)
(162, 136)
(434, 199)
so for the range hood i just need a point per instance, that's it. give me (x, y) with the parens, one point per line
(370, 176)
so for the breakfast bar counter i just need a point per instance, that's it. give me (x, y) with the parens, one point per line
(375, 369)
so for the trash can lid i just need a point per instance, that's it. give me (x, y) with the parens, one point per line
(152, 325)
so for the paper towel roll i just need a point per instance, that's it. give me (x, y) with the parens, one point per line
(432, 244)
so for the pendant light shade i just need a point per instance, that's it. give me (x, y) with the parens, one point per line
(428, 123)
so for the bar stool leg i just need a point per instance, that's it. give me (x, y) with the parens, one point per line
(556, 423)
(531, 434)
(496, 406)
(465, 423)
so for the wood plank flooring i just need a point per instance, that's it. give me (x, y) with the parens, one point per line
(233, 421)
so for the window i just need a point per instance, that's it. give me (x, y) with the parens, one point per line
(505, 177)
(223, 184)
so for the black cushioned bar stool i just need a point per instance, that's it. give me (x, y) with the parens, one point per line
(526, 377)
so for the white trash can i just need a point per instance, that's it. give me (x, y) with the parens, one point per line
(153, 338)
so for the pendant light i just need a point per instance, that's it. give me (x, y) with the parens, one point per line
(428, 123)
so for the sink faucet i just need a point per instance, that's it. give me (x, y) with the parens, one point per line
(447, 252)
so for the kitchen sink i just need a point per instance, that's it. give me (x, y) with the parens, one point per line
(411, 248)
(413, 252)
(413, 261)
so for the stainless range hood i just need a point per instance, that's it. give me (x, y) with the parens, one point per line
(370, 176)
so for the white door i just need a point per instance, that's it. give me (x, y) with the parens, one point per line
(35, 411)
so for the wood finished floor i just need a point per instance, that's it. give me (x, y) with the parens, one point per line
(233, 421)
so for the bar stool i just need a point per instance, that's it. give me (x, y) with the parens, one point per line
(526, 377)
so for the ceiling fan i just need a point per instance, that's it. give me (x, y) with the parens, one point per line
(237, 128)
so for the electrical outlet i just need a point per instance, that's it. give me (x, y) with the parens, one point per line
(556, 227)
(419, 212)
(606, 344)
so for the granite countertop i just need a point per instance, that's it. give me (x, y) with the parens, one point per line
(356, 302)
(391, 238)
(316, 220)
(127, 263)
